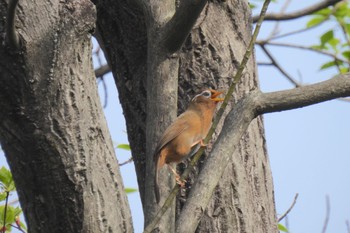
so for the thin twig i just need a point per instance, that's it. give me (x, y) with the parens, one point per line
(304, 48)
(126, 162)
(347, 226)
(5, 211)
(105, 91)
(99, 60)
(343, 27)
(236, 79)
(286, 220)
(275, 29)
(300, 13)
(11, 35)
(289, 209)
(296, 31)
(328, 211)
(279, 67)
(18, 228)
(262, 63)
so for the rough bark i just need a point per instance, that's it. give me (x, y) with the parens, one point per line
(245, 190)
(208, 58)
(52, 127)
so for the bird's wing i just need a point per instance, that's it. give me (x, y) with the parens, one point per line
(174, 130)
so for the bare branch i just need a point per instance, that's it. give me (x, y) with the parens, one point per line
(279, 67)
(304, 48)
(328, 210)
(275, 29)
(295, 32)
(102, 70)
(181, 24)
(261, 63)
(289, 209)
(347, 226)
(300, 13)
(11, 35)
(126, 162)
(236, 124)
(334, 88)
(105, 91)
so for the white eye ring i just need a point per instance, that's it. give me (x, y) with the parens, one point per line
(206, 94)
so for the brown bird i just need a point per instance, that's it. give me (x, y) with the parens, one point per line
(186, 133)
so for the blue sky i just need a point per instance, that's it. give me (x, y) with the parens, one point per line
(309, 148)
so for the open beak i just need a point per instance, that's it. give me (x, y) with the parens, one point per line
(214, 95)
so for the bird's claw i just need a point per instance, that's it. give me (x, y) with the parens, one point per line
(180, 182)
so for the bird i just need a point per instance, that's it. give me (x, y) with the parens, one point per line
(185, 135)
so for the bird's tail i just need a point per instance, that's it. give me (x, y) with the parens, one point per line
(159, 161)
(156, 186)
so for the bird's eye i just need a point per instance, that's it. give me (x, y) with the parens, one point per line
(206, 94)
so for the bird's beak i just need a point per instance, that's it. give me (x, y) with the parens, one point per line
(214, 95)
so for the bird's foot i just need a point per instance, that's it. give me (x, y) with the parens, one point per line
(179, 181)
(202, 143)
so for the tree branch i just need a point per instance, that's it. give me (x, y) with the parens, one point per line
(178, 28)
(102, 70)
(236, 124)
(289, 209)
(328, 211)
(304, 48)
(11, 35)
(278, 66)
(300, 13)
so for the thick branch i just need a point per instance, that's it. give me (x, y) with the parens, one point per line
(236, 124)
(300, 13)
(11, 35)
(181, 24)
(334, 88)
(102, 70)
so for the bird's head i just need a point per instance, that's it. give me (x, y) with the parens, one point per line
(208, 94)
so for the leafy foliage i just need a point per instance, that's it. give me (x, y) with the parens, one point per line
(9, 215)
(335, 41)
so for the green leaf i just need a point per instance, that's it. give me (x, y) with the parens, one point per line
(130, 190)
(251, 5)
(124, 146)
(282, 228)
(346, 54)
(344, 70)
(315, 21)
(324, 12)
(347, 28)
(10, 215)
(326, 37)
(328, 65)
(3, 196)
(334, 42)
(341, 10)
(6, 179)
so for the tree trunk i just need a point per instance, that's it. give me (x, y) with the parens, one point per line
(54, 134)
(149, 76)
(52, 127)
